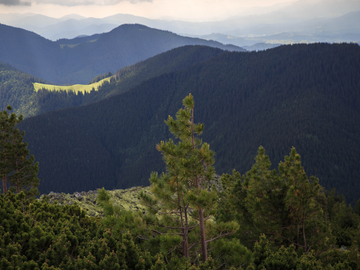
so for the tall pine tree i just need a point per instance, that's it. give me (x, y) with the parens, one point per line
(182, 199)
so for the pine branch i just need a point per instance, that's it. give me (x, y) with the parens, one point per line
(220, 235)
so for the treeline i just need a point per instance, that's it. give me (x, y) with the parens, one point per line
(100, 77)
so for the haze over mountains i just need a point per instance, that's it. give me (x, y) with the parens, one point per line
(300, 21)
(82, 59)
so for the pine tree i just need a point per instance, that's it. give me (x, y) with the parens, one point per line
(182, 195)
(17, 168)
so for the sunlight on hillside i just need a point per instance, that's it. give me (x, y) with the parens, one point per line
(76, 87)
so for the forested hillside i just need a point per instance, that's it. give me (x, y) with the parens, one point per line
(306, 96)
(128, 77)
(80, 63)
(17, 87)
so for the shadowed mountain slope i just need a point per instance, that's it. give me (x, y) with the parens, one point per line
(305, 96)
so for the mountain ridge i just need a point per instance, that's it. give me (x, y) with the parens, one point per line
(123, 46)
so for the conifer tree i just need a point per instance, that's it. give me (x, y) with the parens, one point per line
(17, 168)
(182, 196)
(255, 200)
(303, 202)
(286, 206)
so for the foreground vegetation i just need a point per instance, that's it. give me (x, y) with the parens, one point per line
(264, 219)
(36, 234)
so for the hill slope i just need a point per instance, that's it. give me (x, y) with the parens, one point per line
(305, 96)
(79, 63)
(30, 103)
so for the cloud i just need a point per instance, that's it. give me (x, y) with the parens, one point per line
(14, 3)
(72, 3)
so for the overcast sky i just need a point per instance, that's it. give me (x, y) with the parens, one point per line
(195, 10)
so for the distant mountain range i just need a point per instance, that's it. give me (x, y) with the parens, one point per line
(80, 60)
(305, 96)
(300, 21)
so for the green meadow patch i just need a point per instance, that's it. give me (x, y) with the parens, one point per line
(84, 88)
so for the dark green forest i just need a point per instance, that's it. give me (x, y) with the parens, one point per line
(306, 96)
(80, 62)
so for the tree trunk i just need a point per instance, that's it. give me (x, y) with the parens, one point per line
(297, 236)
(185, 246)
(303, 224)
(4, 182)
(201, 211)
(202, 234)
(185, 237)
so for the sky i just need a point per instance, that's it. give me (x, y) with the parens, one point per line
(193, 10)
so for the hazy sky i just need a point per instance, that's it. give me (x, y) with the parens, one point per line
(182, 9)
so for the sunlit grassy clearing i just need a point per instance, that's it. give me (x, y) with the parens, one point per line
(76, 87)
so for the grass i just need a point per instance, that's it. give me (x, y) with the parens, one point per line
(76, 87)
(126, 199)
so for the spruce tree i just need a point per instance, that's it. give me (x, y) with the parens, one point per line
(17, 168)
